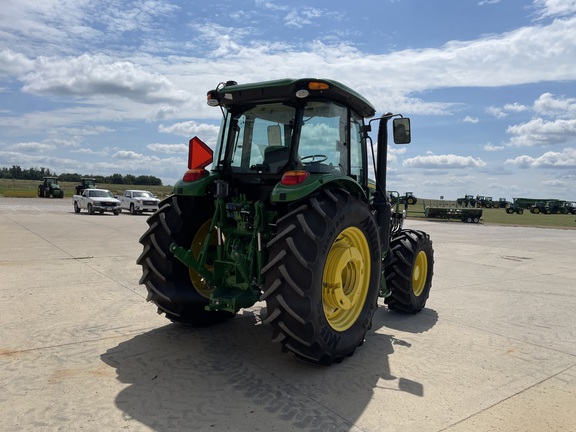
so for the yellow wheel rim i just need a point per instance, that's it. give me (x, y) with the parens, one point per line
(346, 279)
(419, 273)
(196, 247)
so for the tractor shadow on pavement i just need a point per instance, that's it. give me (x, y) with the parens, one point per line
(232, 377)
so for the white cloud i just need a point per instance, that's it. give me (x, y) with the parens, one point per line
(12, 63)
(555, 8)
(470, 119)
(190, 128)
(99, 76)
(84, 131)
(559, 183)
(540, 132)
(550, 105)
(496, 112)
(515, 107)
(492, 148)
(168, 148)
(33, 147)
(502, 112)
(302, 17)
(564, 159)
(449, 161)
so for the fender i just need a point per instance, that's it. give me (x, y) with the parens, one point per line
(195, 188)
(282, 193)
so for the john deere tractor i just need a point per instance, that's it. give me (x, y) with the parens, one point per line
(85, 183)
(50, 188)
(286, 215)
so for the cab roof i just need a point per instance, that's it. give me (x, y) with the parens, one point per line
(285, 89)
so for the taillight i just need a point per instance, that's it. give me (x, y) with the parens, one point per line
(194, 174)
(291, 178)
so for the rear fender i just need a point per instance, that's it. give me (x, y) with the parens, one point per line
(282, 193)
(195, 188)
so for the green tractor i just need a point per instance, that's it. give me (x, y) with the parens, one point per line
(85, 183)
(408, 199)
(467, 201)
(286, 215)
(50, 188)
(513, 207)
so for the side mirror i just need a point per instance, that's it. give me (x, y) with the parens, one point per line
(401, 130)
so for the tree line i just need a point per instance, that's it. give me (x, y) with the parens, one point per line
(17, 173)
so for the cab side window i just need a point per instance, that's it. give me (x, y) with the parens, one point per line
(357, 154)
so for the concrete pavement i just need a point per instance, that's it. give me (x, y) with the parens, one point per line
(494, 350)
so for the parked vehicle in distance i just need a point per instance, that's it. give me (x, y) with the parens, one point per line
(86, 183)
(514, 208)
(50, 188)
(96, 200)
(138, 201)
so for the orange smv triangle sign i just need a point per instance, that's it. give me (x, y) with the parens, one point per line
(199, 154)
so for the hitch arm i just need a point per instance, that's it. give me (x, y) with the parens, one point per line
(186, 257)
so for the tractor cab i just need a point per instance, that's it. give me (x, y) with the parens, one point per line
(291, 132)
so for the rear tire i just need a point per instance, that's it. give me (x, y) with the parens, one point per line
(168, 281)
(76, 208)
(323, 276)
(409, 272)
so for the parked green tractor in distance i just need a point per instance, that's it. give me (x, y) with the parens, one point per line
(286, 216)
(86, 183)
(501, 203)
(467, 201)
(408, 199)
(50, 188)
(514, 208)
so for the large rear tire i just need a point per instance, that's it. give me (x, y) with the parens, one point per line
(176, 290)
(322, 277)
(409, 272)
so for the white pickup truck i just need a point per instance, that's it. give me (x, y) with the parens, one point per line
(138, 201)
(96, 200)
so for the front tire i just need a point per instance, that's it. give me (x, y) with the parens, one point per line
(323, 276)
(176, 290)
(90, 209)
(409, 272)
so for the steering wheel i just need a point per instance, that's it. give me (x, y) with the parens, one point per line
(317, 158)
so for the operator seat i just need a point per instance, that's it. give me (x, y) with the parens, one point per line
(275, 158)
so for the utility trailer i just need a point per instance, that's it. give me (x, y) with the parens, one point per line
(468, 215)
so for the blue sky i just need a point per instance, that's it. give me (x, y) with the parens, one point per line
(105, 86)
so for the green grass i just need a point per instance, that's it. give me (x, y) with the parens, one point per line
(29, 188)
